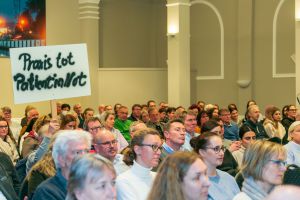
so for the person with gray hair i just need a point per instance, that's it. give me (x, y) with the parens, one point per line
(293, 147)
(68, 145)
(91, 177)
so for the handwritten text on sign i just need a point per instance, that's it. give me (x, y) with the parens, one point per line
(51, 72)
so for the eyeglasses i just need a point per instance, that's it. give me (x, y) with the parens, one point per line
(80, 152)
(4, 127)
(108, 143)
(293, 110)
(279, 163)
(249, 138)
(217, 149)
(95, 128)
(154, 147)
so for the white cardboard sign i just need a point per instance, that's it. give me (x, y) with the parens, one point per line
(50, 72)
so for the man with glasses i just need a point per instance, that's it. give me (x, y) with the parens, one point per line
(67, 146)
(93, 125)
(106, 145)
(231, 129)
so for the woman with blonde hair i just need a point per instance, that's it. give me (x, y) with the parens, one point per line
(91, 177)
(263, 168)
(181, 176)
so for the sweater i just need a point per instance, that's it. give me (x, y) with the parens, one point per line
(272, 131)
(223, 186)
(238, 155)
(123, 127)
(293, 153)
(54, 188)
(135, 183)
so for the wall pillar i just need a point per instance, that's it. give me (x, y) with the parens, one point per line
(244, 52)
(297, 49)
(89, 34)
(178, 13)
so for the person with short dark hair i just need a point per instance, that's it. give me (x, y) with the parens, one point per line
(154, 121)
(174, 134)
(231, 129)
(135, 112)
(253, 123)
(87, 113)
(247, 137)
(65, 107)
(288, 120)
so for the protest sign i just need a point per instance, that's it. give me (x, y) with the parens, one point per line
(50, 72)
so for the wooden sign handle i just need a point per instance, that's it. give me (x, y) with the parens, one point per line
(53, 109)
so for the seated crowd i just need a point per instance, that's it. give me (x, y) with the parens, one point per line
(154, 152)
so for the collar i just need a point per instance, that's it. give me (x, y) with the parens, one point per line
(168, 149)
(295, 145)
(62, 180)
(139, 170)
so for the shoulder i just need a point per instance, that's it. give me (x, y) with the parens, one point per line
(49, 189)
(242, 196)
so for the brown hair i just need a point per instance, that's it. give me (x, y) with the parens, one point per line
(170, 175)
(65, 119)
(137, 140)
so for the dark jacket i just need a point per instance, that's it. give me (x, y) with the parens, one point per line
(257, 128)
(54, 188)
(36, 178)
(286, 122)
(229, 164)
(9, 168)
(6, 185)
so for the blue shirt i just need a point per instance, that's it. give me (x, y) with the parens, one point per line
(293, 153)
(231, 131)
(223, 186)
(186, 146)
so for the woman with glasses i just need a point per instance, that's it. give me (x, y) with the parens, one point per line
(229, 164)
(8, 144)
(247, 137)
(108, 120)
(210, 147)
(182, 176)
(144, 154)
(263, 168)
(293, 147)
